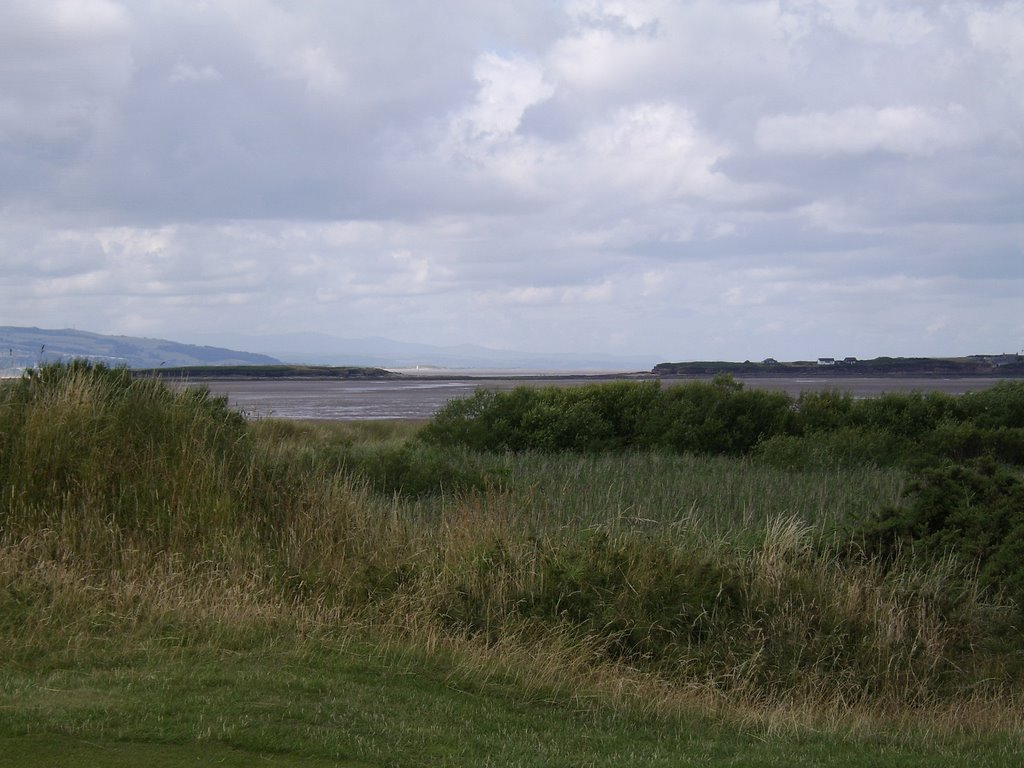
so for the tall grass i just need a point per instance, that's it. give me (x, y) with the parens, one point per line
(728, 496)
(92, 453)
(128, 509)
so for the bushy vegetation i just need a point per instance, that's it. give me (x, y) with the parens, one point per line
(719, 418)
(973, 511)
(722, 418)
(965, 500)
(593, 541)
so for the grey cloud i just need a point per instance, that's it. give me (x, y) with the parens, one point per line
(695, 177)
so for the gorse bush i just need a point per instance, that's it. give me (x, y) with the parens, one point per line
(643, 597)
(973, 512)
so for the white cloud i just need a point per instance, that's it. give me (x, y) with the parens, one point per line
(506, 88)
(875, 21)
(908, 130)
(87, 18)
(997, 35)
(597, 59)
(633, 15)
(652, 151)
(644, 152)
(530, 294)
(38, 28)
(1000, 32)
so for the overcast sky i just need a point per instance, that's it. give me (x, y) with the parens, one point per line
(694, 180)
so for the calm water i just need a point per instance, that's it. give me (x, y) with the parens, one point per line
(419, 398)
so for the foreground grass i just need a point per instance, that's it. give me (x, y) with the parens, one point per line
(287, 700)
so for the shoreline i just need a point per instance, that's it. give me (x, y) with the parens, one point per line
(304, 373)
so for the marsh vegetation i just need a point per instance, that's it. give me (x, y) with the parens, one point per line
(815, 573)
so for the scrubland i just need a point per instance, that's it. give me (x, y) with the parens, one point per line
(616, 574)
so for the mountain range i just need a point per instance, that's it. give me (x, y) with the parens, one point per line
(22, 348)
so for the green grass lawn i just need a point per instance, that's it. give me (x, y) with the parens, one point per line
(318, 703)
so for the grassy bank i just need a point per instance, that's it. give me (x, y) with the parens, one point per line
(171, 574)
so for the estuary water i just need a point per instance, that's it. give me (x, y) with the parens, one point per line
(420, 397)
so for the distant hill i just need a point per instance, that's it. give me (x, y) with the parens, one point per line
(22, 348)
(973, 365)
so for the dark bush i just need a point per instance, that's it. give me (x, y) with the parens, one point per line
(638, 599)
(958, 441)
(716, 417)
(973, 511)
(911, 430)
(1000, 406)
(824, 411)
(591, 418)
(908, 414)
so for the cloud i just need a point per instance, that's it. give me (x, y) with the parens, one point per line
(652, 150)
(506, 89)
(876, 21)
(901, 130)
(185, 73)
(999, 31)
(38, 29)
(737, 179)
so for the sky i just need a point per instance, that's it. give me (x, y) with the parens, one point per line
(689, 180)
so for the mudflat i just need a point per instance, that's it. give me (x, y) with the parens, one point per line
(415, 397)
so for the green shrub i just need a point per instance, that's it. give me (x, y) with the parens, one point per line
(779, 618)
(722, 418)
(633, 598)
(719, 417)
(959, 441)
(908, 414)
(549, 418)
(1000, 406)
(715, 417)
(973, 512)
(824, 411)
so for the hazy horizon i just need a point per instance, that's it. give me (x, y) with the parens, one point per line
(320, 349)
(632, 178)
